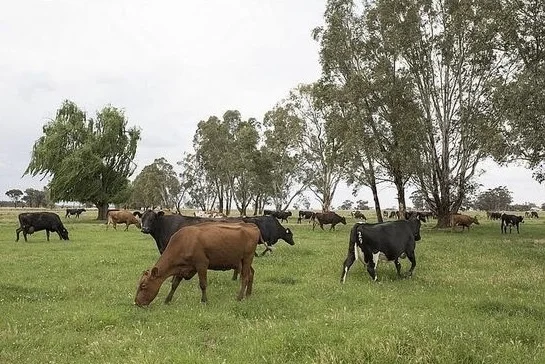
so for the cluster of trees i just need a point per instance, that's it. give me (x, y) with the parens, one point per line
(413, 93)
(30, 197)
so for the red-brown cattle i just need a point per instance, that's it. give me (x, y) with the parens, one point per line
(464, 221)
(124, 217)
(195, 249)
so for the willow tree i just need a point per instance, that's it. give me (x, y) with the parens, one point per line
(88, 159)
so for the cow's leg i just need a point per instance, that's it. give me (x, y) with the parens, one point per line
(175, 283)
(350, 259)
(202, 271)
(237, 271)
(518, 229)
(398, 267)
(18, 231)
(126, 227)
(47, 234)
(250, 282)
(372, 266)
(244, 277)
(267, 249)
(412, 259)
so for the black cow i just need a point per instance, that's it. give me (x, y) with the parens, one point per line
(282, 215)
(533, 214)
(161, 227)
(307, 215)
(29, 222)
(325, 218)
(268, 212)
(510, 220)
(358, 215)
(389, 240)
(76, 212)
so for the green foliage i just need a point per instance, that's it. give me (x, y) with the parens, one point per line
(14, 195)
(72, 302)
(89, 160)
(36, 198)
(346, 205)
(156, 185)
(494, 199)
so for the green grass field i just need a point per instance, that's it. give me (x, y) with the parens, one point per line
(475, 297)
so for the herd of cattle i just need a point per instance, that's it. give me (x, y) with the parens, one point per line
(190, 245)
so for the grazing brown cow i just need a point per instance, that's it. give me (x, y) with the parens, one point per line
(463, 221)
(195, 249)
(325, 218)
(124, 217)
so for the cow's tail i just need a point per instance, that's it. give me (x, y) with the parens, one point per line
(352, 254)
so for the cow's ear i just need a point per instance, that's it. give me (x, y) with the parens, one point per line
(154, 272)
(160, 213)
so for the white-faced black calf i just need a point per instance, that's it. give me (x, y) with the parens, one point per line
(391, 239)
(197, 248)
(510, 220)
(29, 222)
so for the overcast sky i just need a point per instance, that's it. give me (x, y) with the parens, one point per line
(168, 64)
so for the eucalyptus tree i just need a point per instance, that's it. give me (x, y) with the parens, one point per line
(520, 102)
(364, 59)
(35, 198)
(443, 56)
(282, 135)
(156, 185)
(88, 159)
(200, 188)
(323, 139)
(15, 195)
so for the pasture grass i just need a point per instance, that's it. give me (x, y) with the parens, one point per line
(475, 297)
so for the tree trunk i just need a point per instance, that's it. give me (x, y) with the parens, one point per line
(102, 210)
(377, 202)
(400, 186)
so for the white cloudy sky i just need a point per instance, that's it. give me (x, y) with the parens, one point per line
(169, 64)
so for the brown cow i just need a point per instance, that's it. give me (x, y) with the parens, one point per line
(463, 221)
(329, 217)
(195, 249)
(124, 217)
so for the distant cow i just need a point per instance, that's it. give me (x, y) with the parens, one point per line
(494, 215)
(464, 221)
(76, 212)
(307, 215)
(29, 222)
(388, 240)
(198, 248)
(510, 220)
(326, 218)
(281, 215)
(358, 215)
(533, 214)
(124, 217)
(394, 214)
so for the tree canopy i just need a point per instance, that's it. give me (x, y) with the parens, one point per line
(88, 159)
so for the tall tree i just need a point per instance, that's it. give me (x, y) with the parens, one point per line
(88, 159)
(520, 101)
(442, 54)
(282, 137)
(363, 57)
(323, 138)
(15, 195)
(200, 188)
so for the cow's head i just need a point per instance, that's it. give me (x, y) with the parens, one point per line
(343, 220)
(415, 227)
(148, 220)
(63, 233)
(521, 218)
(288, 237)
(475, 221)
(148, 287)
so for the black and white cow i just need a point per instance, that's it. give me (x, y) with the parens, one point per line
(510, 220)
(307, 215)
(389, 241)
